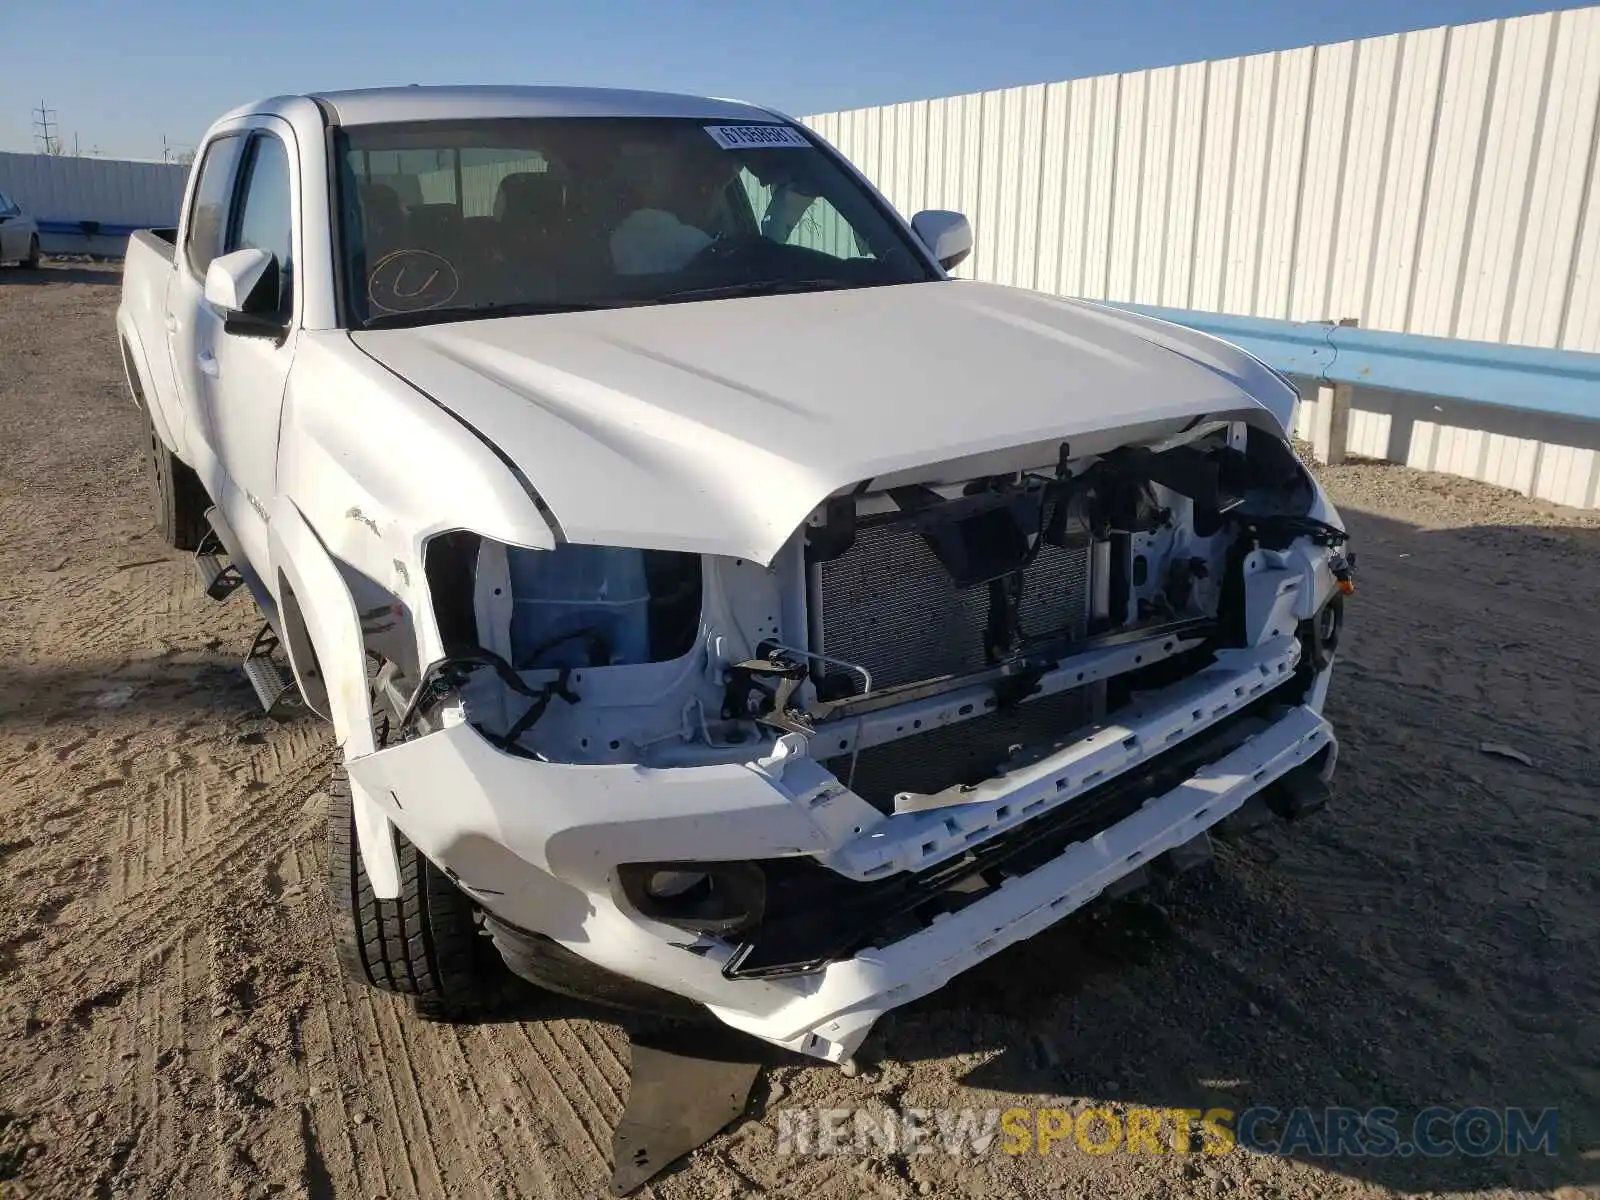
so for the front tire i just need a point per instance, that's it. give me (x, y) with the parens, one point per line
(425, 944)
(31, 263)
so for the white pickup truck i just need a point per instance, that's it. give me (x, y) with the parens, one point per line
(719, 608)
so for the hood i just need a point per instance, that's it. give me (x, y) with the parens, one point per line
(717, 426)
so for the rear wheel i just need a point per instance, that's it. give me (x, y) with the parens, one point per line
(180, 502)
(425, 944)
(32, 261)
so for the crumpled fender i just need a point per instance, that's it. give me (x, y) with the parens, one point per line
(333, 664)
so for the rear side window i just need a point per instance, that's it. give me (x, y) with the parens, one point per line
(208, 218)
(264, 214)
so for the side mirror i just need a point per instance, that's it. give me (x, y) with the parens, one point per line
(244, 286)
(947, 234)
(234, 280)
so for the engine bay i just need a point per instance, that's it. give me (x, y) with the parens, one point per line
(914, 637)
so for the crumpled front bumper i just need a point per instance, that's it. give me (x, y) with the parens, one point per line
(538, 843)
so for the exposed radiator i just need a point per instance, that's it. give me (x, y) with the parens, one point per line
(889, 605)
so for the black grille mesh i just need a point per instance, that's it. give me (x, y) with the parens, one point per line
(889, 605)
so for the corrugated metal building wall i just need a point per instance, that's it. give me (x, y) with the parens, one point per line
(1436, 182)
(119, 195)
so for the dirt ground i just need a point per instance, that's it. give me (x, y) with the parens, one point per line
(172, 1023)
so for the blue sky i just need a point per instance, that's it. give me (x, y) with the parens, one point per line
(121, 75)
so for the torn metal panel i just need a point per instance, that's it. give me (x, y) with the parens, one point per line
(682, 1091)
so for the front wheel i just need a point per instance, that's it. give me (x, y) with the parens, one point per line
(425, 944)
(31, 263)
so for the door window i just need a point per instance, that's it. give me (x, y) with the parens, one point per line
(209, 211)
(265, 212)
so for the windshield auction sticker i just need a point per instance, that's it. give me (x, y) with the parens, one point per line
(756, 137)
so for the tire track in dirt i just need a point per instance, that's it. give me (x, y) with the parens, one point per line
(331, 1038)
(224, 855)
(584, 1110)
(171, 1059)
(229, 801)
(534, 1155)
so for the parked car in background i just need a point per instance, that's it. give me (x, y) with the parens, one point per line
(19, 234)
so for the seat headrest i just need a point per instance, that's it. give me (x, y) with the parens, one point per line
(381, 205)
(539, 196)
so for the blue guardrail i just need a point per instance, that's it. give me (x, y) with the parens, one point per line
(1565, 382)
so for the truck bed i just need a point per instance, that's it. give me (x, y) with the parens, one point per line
(141, 325)
(162, 241)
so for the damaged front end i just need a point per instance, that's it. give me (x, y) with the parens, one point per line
(949, 712)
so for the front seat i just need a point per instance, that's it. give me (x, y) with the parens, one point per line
(383, 220)
(531, 204)
(532, 211)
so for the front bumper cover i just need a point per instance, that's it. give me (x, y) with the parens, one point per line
(813, 916)
(538, 844)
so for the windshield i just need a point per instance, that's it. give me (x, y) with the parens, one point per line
(445, 221)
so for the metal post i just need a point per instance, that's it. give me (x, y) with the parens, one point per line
(1339, 415)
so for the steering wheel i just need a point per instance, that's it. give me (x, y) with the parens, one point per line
(730, 249)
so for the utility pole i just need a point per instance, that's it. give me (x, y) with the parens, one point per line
(48, 141)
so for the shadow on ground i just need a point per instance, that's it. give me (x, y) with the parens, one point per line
(108, 273)
(183, 685)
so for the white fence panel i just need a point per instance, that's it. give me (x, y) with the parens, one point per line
(111, 191)
(1438, 182)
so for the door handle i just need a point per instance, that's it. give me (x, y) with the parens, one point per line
(208, 363)
(171, 322)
